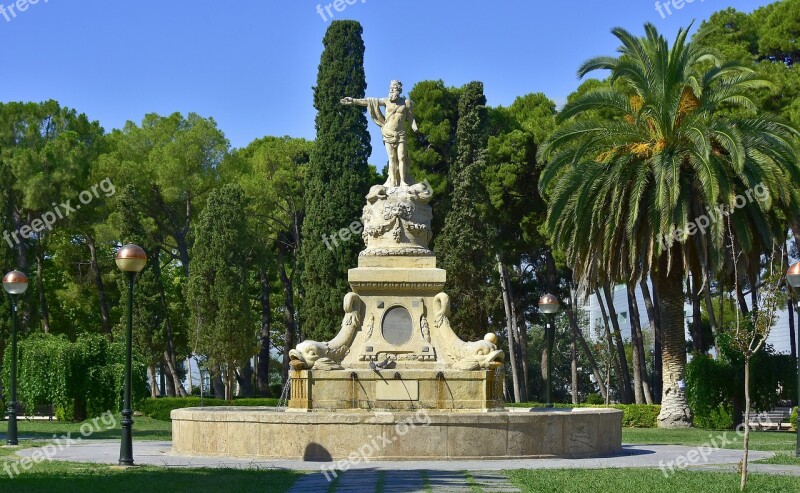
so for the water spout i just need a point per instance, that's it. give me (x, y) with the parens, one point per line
(353, 390)
(283, 402)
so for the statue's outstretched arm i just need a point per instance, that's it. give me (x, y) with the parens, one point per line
(348, 101)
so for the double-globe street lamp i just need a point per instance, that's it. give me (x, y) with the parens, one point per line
(15, 284)
(548, 304)
(130, 259)
(793, 276)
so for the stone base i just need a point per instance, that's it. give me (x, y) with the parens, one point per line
(424, 435)
(396, 390)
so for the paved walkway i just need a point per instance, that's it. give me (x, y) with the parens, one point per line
(423, 481)
(159, 454)
(454, 476)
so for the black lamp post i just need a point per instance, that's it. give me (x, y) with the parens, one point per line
(130, 259)
(793, 275)
(548, 304)
(15, 284)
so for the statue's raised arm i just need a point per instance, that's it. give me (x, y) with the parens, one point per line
(399, 111)
(348, 101)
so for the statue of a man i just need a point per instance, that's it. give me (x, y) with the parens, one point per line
(399, 110)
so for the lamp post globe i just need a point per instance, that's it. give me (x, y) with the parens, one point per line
(793, 277)
(15, 283)
(549, 305)
(130, 259)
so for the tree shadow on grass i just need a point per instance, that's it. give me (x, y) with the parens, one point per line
(49, 477)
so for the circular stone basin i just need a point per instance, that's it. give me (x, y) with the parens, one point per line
(426, 434)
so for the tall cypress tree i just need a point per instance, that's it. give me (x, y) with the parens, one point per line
(462, 245)
(337, 181)
(217, 292)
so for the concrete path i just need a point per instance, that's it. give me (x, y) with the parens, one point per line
(455, 476)
(364, 481)
(159, 454)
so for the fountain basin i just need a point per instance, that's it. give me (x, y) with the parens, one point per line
(266, 433)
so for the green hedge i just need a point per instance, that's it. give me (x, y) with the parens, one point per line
(160, 408)
(81, 379)
(633, 415)
(793, 419)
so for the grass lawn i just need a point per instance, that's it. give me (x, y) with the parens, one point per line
(759, 440)
(47, 477)
(782, 459)
(143, 429)
(649, 480)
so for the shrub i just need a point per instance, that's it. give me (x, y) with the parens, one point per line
(80, 379)
(720, 418)
(715, 388)
(709, 387)
(595, 399)
(793, 419)
(161, 408)
(639, 415)
(633, 415)
(276, 389)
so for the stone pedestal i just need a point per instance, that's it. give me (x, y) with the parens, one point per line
(397, 389)
(396, 348)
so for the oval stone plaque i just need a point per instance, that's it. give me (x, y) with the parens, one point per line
(397, 327)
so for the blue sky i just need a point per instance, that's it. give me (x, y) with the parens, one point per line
(251, 64)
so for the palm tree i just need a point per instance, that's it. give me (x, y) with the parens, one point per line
(636, 167)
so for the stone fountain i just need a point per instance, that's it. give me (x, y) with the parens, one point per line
(396, 363)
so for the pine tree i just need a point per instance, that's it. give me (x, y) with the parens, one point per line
(462, 245)
(217, 293)
(337, 182)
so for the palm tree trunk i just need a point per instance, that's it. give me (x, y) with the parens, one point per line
(698, 341)
(712, 316)
(668, 283)
(639, 357)
(512, 346)
(611, 352)
(790, 305)
(637, 369)
(623, 358)
(578, 335)
(741, 299)
(653, 316)
(574, 353)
